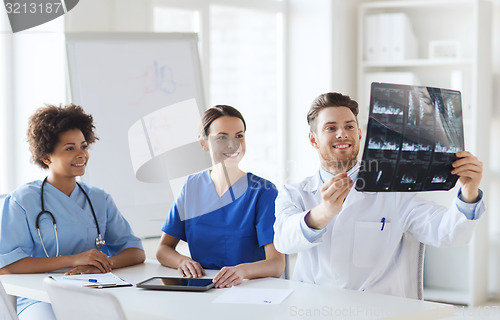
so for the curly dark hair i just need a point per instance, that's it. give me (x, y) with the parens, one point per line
(47, 123)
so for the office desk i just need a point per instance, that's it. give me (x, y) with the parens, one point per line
(307, 301)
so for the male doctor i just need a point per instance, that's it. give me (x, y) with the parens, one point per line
(360, 240)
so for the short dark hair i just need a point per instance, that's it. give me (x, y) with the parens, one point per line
(216, 112)
(330, 99)
(47, 123)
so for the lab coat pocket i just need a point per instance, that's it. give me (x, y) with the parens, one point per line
(370, 241)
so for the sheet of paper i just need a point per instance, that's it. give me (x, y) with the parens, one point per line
(253, 296)
(92, 280)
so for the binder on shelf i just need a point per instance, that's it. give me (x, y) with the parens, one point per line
(384, 34)
(389, 37)
(371, 38)
(403, 43)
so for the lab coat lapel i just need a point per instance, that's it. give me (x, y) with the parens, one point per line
(315, 183)
(353, 197)
(312, 187)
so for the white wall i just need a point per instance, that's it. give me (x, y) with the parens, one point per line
(496, 60)
(309, 66)
(322, 51)
(31, 56)
(494, 203)
(110, 15)
(6, 112)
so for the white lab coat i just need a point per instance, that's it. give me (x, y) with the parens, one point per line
(354, 253)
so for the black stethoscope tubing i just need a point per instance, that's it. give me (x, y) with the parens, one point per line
(99, 241)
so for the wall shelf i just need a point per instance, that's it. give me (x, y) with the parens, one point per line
(418, 63)
(426, 4)
(467, 24)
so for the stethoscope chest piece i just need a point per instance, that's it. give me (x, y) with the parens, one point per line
(99, 241)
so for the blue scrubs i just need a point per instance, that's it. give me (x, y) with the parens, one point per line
(76, 226)
(227, 230)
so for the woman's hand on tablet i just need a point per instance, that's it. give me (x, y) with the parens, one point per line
(190, 269)
(229, 276)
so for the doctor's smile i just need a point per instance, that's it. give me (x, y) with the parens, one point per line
(231, 155)
(79, 164)
(342, 146)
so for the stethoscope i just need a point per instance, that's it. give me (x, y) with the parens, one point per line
(99, 241)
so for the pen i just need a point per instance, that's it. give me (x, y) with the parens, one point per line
(77, 279)
(354, 171)
(100, 286)
(383, 223)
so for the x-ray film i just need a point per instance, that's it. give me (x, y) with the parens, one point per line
(412, 137)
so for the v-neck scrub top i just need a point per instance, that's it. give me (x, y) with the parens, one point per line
(227, 230)
(76, 228)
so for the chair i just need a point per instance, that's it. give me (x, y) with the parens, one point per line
(415, 264)
(78, 303)
(420, 271)
(7, 311)
(2, 200)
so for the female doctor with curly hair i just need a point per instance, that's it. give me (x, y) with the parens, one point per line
(59, 222)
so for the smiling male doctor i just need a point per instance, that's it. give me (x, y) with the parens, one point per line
(358, 240)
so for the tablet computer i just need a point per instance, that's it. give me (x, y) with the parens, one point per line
(176, 283)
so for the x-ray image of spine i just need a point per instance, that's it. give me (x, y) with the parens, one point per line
(379, 144)
(449, 120)
(413, 110)
(446, 149)
(433, 112)
(409, 146)
(408, 178)
(380, 108)
(439, 179)
(383, 137)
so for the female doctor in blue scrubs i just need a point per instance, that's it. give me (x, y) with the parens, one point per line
(224, 214)
(76, 217)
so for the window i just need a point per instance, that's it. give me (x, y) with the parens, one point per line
(243, 49)
(176, 20)
(34, 74)
(5, 40)
(244, 73)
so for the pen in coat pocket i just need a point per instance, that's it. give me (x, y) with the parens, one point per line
(383, 224)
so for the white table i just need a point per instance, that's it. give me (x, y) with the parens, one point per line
(307, 301)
